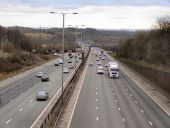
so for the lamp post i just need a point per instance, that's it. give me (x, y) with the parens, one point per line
(62, 77)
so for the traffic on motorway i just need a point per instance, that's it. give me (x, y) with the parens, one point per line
(32, 92)
(110, 98)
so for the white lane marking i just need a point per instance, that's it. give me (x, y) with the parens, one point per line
(150, 123)
(142, 110)
(123, 119)
(96, 100)
(8, 121)
(131, 95)
(136, 102)
(31, 100)
(96, 88)
(97, 108)
(114, 94)
(96, 93)
(21, 109)
(97, 118)
(147, 93)
(116, 101)
(119, 109)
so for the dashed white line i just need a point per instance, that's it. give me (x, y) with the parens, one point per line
(96, 88)
(96, 100)
(114, 94)
(150, 123)
(31, 100)
(8, 121)
(116, 100)
(136, 102)
(119, 109)
(131, 95)
(21, 109)
(97, 118)
(97, 108)
(96, 93)
(123, 119)
(141, 110)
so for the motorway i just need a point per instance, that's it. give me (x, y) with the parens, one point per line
(19, 108)
(115, 103)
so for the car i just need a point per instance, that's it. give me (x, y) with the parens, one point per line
(99, 63)
(97, 59)
(96, 55)
(55, 54)
(106, 65)
(45, 77)
(100, 70)
(69, 61)
(56, 64)
(71, 66)
(65, 70)
(103, 58)
(61, 61)
(39, 74)
(90, 63)
(42, 95)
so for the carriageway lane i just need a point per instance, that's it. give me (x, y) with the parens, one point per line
(22, 111)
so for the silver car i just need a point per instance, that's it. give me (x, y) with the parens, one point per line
(65, 70)
(42, 95)
(39, 74)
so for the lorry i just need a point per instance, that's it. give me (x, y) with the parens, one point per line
(113, 69)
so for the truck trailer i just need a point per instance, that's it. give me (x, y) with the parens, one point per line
(113, 69)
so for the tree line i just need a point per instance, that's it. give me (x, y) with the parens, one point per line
(14, 39)
(152, 46)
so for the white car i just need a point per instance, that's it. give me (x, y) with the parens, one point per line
(55, 54)
(61, 61)
(100, 70)
(65, 70)
(99, 63)
(39, 74)
(103, 58)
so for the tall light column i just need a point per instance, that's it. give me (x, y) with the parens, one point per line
(62, 76)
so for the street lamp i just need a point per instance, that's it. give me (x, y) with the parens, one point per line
(62, 77)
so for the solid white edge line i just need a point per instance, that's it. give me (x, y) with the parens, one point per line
(150, 123)
(32, 126)
(8, 121)
(142, 110)
(78, 95)
(146, 93)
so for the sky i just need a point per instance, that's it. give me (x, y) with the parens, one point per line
(101, 14)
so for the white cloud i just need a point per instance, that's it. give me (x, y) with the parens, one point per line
(118, 17)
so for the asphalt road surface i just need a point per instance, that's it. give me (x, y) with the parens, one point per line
(115, 103)
(19, 108)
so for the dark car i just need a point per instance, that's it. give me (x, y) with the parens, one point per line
(45, 78)
(56, 64)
